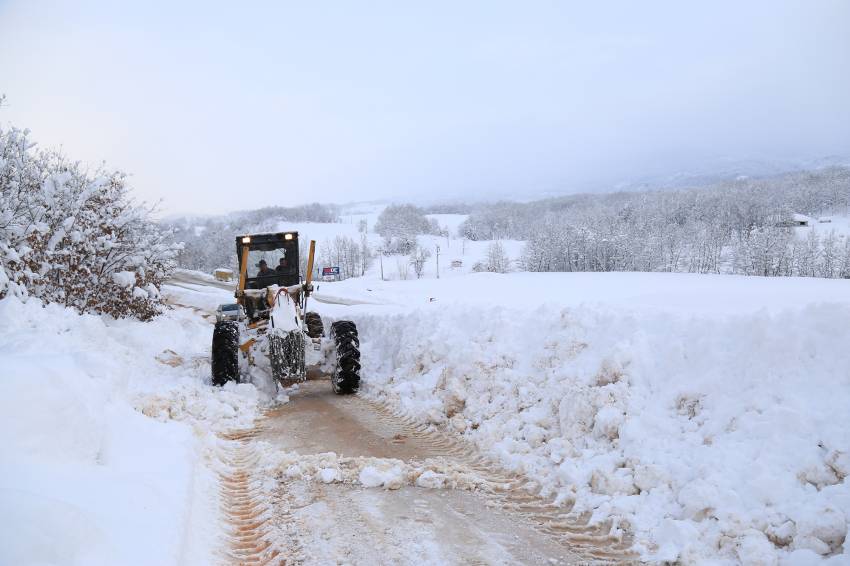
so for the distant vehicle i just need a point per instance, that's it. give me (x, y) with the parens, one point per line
(230, 311)
(223, 274)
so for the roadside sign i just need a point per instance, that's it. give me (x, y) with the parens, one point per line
(330, 271)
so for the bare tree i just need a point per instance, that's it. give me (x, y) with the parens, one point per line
(403, 265)
(497, 259)
(418, 259)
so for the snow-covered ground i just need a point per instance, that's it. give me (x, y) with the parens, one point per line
(107, 450)
(706, 413)
(823, 225)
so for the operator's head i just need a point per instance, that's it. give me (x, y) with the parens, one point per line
(263, 263)
(282, 261)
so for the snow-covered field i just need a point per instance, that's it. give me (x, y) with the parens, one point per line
(106, 429)
(708, 414)
(457, 256)
(823, 225)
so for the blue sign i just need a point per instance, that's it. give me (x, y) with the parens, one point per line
(330, 271)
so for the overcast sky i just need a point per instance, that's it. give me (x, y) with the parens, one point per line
(233, 105)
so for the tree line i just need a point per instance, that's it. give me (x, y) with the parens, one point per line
(743, 226)
(210, 242)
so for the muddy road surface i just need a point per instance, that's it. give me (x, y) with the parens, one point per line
(354, 483)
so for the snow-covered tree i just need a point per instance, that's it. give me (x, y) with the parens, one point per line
(743, 226)
(399, 224)
(352, 257)
(403, 267)
(497, 260)
(76, 238)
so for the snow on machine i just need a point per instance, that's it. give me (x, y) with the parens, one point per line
(270, 329)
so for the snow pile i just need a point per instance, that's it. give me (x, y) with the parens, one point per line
(88, 477)
(710, 435)
(371, 476)
(233, 407)
(388, 473)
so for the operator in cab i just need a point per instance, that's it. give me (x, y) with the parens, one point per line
(264, 269)
(282, 266)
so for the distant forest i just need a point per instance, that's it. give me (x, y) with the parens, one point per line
(740, 226)
(209, 242)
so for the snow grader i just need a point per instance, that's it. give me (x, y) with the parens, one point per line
(269, 328)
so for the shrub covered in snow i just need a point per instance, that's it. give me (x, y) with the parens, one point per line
(74, 237)
(399, 224)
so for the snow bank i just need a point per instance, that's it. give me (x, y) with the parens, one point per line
(713, 435)
(106, 437)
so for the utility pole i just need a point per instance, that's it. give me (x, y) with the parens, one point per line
(438, 261)
(381, 252)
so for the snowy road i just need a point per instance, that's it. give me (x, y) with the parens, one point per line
(328, 479)
(192, 279)
(328, 510)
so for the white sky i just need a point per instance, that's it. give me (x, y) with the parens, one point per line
(232, 105)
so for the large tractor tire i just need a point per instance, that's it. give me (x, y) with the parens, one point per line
(346, 375)
(286, 357)
(315, 328)
(225, 352)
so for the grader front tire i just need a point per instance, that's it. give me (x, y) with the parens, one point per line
(225, 352)
(286, 357)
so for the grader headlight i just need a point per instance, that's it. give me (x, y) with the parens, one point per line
(246, 239)
(287, 236)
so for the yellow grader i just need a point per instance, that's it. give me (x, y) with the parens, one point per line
(268, 327)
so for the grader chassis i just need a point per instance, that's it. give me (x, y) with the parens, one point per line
(273, 332)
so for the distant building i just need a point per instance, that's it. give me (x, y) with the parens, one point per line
(222, 274)
(457, 264)
(795, 221)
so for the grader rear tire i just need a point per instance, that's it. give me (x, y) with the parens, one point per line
(346, 375)
(225, 352)
(315, 328)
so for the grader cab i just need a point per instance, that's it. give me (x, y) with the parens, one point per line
(274, 332)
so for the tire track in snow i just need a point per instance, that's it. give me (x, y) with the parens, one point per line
(519, 495)
(246, 504)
